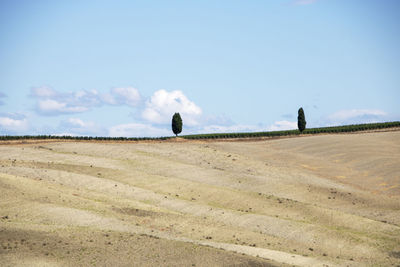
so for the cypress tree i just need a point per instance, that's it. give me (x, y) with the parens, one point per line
(177, 124)
(301, 120)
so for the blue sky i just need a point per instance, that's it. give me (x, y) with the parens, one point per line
(122, 68)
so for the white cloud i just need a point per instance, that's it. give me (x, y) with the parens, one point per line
(51, 102)
(355, 116)
(11, 123)
(138, 130)
(75, 122)
(352, 116)
(126, 95)
(53, 107)
(109, 99)
(122, 96)
(283, 125)
(43, 92)
(354, 113)
(49, 105)
(229, 129)
(237, 128)
(80, 127)
(163, 104)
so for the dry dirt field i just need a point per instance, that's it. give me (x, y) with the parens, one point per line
(324, 200)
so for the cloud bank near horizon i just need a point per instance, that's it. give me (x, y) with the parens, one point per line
(13, 123)
(355, 116)
(153, 115)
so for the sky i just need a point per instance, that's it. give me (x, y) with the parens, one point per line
(123, 68)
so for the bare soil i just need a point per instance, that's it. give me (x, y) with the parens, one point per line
(324, 200)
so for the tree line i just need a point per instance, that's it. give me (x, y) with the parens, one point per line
(301, 125)
(177, 125)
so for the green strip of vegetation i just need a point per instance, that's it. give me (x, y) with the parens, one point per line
(333, 129)
(67, 137)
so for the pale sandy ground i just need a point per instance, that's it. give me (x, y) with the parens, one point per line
(325, 200)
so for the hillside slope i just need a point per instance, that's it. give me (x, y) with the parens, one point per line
(306, 201)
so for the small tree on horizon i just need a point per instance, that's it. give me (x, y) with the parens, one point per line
(177, 124)
(301, 120)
